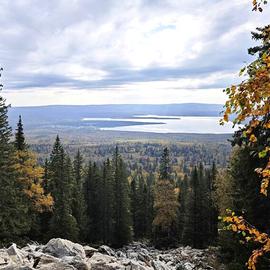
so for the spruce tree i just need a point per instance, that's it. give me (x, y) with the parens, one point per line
(198, 221)
(165, 205)
(93, 200)
(78, 201)
(20, 144)
(182, 199)
(122, 232)
(133, 204)
(13, 212)
(107, 203)
(62, 224)
(213, 228)
(191, 230)
(139, 206)
(149, 210)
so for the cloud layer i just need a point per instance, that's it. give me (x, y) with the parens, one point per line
(89, 52)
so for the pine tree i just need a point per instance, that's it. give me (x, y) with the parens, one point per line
(93, 200)
(192, 228)
(107, 203)
(13, 213)
(139, 206)
(20, 144)
(149, 210)
(182, 199)
(133, 204)
(260, 35)
(88, 196)
(165, 205)
(78, 202)
(122, 232)
(213, 230)
(199, 222)
(165, 169)
(62, 224)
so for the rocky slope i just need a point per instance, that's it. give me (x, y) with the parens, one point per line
(63, 254)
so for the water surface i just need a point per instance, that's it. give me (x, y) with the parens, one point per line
(167, 124)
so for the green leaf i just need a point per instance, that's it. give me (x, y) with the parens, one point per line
(242, 70)
(263, 154)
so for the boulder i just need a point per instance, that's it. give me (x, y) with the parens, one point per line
(101, 261)
(89, 251)
(133, 265)
(76, 262)
(106, 250)
(44, 259)
(4, 258)
(120, 254)
(15, 254)
(60, 248)
(189, 266)
(158, 265)
(56, 266)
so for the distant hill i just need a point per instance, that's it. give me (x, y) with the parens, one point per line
(55, 114)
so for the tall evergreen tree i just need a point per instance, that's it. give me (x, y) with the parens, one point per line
(122, 232)
(139, 206)
(213, 219)
(192, 228)
(200, 218)
(107, 203)
(149, 210)
(165, 205)
(62, 224)
(165, 169)
(133, 203)
(78, 201)
(13, 213)
(182, 199)
(20, 143)
(93, 199)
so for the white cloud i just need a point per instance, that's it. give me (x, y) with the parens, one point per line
(52, 44)
(133, 95)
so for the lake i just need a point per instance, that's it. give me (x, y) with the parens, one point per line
(165, 124)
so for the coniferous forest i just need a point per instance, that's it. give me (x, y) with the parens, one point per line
(83, 201)
(169, 195)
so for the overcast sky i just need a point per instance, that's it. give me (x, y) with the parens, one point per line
(123, 51)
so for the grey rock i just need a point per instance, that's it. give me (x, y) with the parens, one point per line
(106, 250)
(15, 254)
(120, 254)
(101, 261)
(76, 262)
(189, 266)
(133, 265)
(56, 266)
(4, 258)
(14, 267)
(89, 251)
(158, 265)
(60, 247)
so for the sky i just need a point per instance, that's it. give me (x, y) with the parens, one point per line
(123, 51)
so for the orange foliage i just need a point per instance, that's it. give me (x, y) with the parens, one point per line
(239, 224)
(30, 177)
(250, 101)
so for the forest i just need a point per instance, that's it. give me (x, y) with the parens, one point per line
(163, 194)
